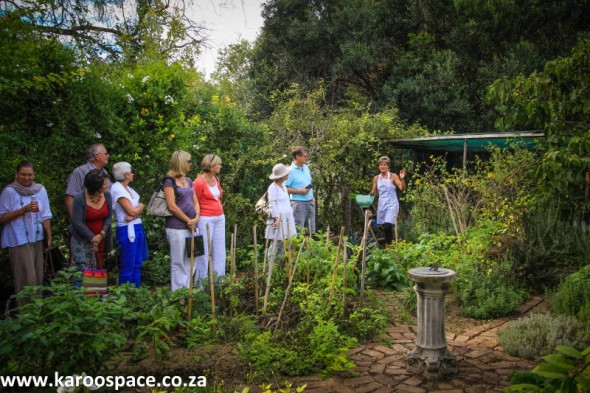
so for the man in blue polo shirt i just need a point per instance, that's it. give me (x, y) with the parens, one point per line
(301, 191)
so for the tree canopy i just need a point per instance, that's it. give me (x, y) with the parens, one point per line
(115, 29)
(433, 59)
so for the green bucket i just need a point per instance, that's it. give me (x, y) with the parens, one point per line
(365, 201)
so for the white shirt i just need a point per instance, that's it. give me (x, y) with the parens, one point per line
(118, 191)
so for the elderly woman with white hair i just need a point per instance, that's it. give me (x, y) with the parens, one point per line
(130, 235)
(280, 206)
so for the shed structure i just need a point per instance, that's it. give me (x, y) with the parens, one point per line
(468, 143)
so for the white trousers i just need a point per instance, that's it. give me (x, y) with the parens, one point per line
(217, 232)
(179, 263)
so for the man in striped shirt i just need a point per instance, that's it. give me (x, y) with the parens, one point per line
(98, 158)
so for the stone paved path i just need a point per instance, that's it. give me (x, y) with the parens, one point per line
(482, 364)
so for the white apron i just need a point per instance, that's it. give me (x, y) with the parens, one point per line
(388, 207)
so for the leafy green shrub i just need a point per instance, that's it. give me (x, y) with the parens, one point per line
(409, 300)
(385, 271)
(329, 348)
(366, 322)
(65, 331)
(551, 244)
(487, 296)
(156, 270)
(539, 334)
(573, 295)
(267, 357)
(565, 371)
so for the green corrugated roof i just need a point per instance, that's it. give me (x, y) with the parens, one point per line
(475, 142)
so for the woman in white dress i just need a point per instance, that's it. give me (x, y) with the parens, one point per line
(385, 184)
(280, 206)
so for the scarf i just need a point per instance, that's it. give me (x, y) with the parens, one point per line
(25, 191)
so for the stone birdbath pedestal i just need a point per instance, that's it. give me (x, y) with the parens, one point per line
(431, 357)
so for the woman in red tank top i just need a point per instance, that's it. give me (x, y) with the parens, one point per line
(91, 221)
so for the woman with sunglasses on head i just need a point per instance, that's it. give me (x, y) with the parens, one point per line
(208, 190)
(184, 206)
(130, 235)
(26, 215)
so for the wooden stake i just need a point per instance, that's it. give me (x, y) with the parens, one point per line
(307, 279)
(335, 270)
(345, 262)
(255, 270)
(265, 256)
(288, 254)
(289, 286)
(211, 283)
(271, 261)
(231, 259)
(191, 272)
(233, 256)
(364, 260)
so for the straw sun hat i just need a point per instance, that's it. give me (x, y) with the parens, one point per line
(279, 171)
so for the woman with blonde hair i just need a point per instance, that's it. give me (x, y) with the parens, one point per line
(184, 206)
(385, 184)
(208, 190)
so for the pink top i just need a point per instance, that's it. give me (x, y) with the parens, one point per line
(210, 206)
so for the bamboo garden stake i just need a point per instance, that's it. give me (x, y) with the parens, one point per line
(255, 270)
(335, 271)
(233, 260)
(345, 263)
(307, 278)
(191, 272)
(289, 286)
(288, 253)
(265, 256)
(364, 260)
(211, 283)
(231, 257)
(271, 261)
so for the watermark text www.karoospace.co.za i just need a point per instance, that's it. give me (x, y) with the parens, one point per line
(113, 382)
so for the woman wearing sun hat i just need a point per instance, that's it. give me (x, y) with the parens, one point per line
(280, 206)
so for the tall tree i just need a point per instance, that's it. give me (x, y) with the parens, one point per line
(112, 28)
(557, 100)
(371, 46)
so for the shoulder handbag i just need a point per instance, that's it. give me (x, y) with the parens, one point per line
(94, 280)
(262, 207)
(157, 205)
